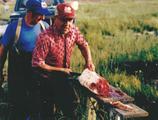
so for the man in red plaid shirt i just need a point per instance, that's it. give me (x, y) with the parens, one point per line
(52, 55)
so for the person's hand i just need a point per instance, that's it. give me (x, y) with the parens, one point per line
(66, 70)
(90, 66)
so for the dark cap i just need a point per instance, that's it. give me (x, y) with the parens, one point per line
(37, 6)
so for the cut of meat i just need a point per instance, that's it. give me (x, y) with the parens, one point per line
(103, 90)
(94, 83)
(122, 106)
(102, 87)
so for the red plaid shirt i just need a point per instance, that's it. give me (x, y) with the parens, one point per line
(55, 49)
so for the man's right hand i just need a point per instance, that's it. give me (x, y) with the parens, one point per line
(66, 70)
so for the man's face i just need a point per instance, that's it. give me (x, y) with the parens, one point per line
(36, 17)
(64, 24)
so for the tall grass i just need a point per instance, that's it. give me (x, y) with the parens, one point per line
(119, 30)
(113, 29)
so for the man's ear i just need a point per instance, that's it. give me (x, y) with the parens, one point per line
(29, 14)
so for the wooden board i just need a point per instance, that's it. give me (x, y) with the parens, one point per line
(136, 112)
(116, 95)
(123, 97)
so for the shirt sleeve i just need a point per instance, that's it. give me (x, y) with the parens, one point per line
(80, 40)
(9, 35)
(41, 50)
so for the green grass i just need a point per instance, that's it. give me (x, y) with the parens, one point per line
(112, 35)
(118, 31)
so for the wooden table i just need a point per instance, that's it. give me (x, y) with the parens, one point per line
(114, 113)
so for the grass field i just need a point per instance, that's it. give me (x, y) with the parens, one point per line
(117, 27)
(118, 31)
